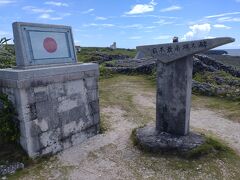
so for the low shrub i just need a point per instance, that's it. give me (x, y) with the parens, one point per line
(9, 127)
(105, 72)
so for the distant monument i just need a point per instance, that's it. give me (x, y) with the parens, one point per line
(55, 97)
(113, 46)
(174, 87)
(78, 48)
(175, 39)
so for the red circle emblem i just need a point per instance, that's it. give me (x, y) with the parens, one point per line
(50, 45)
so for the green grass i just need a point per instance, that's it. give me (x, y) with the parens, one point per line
(104, 126)
(212, 148)
(209, 77)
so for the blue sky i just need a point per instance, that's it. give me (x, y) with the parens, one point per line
(129, 22)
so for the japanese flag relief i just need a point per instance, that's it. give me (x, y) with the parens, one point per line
(47, 45)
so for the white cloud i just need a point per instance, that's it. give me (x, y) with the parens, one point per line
(33, 9)
(5, 2)
(197, 31)
(142, 8)
(101, 18)
(210, 37)
(4, 33)
(163, 37)
(222, 26)
(88, 11)
(222, 15)
(98, 25)
(147, 16)
(171, 8)
(163, 22)
(150, 27)
(55, 3)
(45, 13)
(228, 19)
(135, 37)
(138, 26)
(50, 17)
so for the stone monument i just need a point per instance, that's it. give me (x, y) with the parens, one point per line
(113, 46)
(55, 97)
(174, 87)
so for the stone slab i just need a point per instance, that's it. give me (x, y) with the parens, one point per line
(37, 44)
(22, 74)
(167, 53)
(18, 78)
(174, 88)
(151, 140)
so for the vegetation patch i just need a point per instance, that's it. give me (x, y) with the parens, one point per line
(7, 54)
(212, 148)
(104, 125)
(100, 55)
(105, 72)
(219, 84)
(9, 126)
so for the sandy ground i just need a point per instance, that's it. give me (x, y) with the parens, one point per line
(223, 128)
(111, 155)
(102, 156)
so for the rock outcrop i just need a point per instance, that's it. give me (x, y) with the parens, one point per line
(216, 85)
(210, 64)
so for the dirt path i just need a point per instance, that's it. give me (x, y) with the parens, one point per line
(204, 120)
(97, 157)
(112, 155)
(221, 127)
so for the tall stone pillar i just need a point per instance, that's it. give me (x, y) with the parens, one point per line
(174, 87)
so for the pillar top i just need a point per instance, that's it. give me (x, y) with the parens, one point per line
(172, 51)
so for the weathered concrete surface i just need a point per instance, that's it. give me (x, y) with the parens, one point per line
(174, 87)
(170, 52)
(151, 140)
(174, 81)
(57, 107)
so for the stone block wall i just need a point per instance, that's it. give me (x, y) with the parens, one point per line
(57, 111)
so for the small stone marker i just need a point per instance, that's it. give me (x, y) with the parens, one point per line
(174, 87)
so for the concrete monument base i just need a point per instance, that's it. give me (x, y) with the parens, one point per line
(57, 106)
(148, 138)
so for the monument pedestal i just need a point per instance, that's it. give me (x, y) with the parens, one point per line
(152, 140)
(57, 107)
